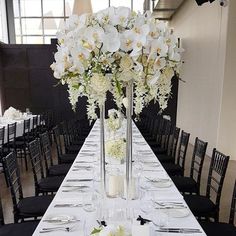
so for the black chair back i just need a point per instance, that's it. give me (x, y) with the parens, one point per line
(11, 134)
(173, 141)
(218, 167)
(233, 206)
(198, 157)
(26, 130)
(36, 162)
(65, 133)
(56, 134)
(46, 149)
(183, 146)
(2, 137)
(13, 176)
(166, 134)
(35, 122)
(160, 131)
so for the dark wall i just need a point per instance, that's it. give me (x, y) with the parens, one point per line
(26, 80)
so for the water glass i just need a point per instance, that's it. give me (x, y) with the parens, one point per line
(90, 202)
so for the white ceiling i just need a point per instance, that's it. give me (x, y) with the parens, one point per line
(164, 9)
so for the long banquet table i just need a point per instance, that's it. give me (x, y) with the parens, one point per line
(69, 200)
(19, 125)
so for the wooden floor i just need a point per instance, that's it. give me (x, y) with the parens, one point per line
(28, 187)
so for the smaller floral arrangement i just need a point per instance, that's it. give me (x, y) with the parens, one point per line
(114, 120)
(116, 148)
(111, 230)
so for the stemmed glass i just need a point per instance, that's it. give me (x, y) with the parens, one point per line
(90, 202)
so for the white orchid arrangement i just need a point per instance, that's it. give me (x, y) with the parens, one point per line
(114, 121)
(111, 230)
(104, 51)
(115, 148)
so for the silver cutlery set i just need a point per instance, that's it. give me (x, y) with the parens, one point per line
(179, 230)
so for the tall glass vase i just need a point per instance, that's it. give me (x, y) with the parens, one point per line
(129, 113)
(102, 150)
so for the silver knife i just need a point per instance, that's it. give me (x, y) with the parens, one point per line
(78, 180)
(171, 207)
(68, 205)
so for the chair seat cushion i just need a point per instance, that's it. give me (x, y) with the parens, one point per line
(79, 142)
(165, 158)
(59, 169)
(17, 144)
(50, 184)
(214, 229)
(185, 184)
(159, 150)
(22, 229)
(34, 206)
(67, 158)
(153, 144)
(73, 149)
(173, 169)
(150, 139)
(200, 206)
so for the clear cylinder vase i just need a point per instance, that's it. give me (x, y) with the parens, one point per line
(102, 150)
(129, 113)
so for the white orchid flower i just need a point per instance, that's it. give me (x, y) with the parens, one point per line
(104, 17)
(153, 32)
(159, 47)
(152, 79)
(71, 22)
(159, 63)
(127, 39)
(111, 40)
(121, 16)
(138, 44)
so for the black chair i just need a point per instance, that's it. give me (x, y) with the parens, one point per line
(22, 141)
(213, 228)
(204, 207)
(68, 138)
(163, 149)
(25, 228)
(11, 137)
(172, 147)
(151, 136)
(63, 158)
(43, 184)
(77, 131)
(51, 170)
(3, 151)
(159, 135)
(192, 184)
(178, 169)
(28, 207)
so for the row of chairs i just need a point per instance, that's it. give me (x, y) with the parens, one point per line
(163, 137)
(47, 175)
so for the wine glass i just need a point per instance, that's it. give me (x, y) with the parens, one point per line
(146, 205)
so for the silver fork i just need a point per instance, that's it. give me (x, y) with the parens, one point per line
(59, 228)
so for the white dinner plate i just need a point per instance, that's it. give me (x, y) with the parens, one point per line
(177, 213)
(60, 219)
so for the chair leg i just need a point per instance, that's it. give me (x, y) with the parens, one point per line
(25, 157)
(6, 178)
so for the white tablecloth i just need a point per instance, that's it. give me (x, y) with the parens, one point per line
(19, 125)
(89, 218)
